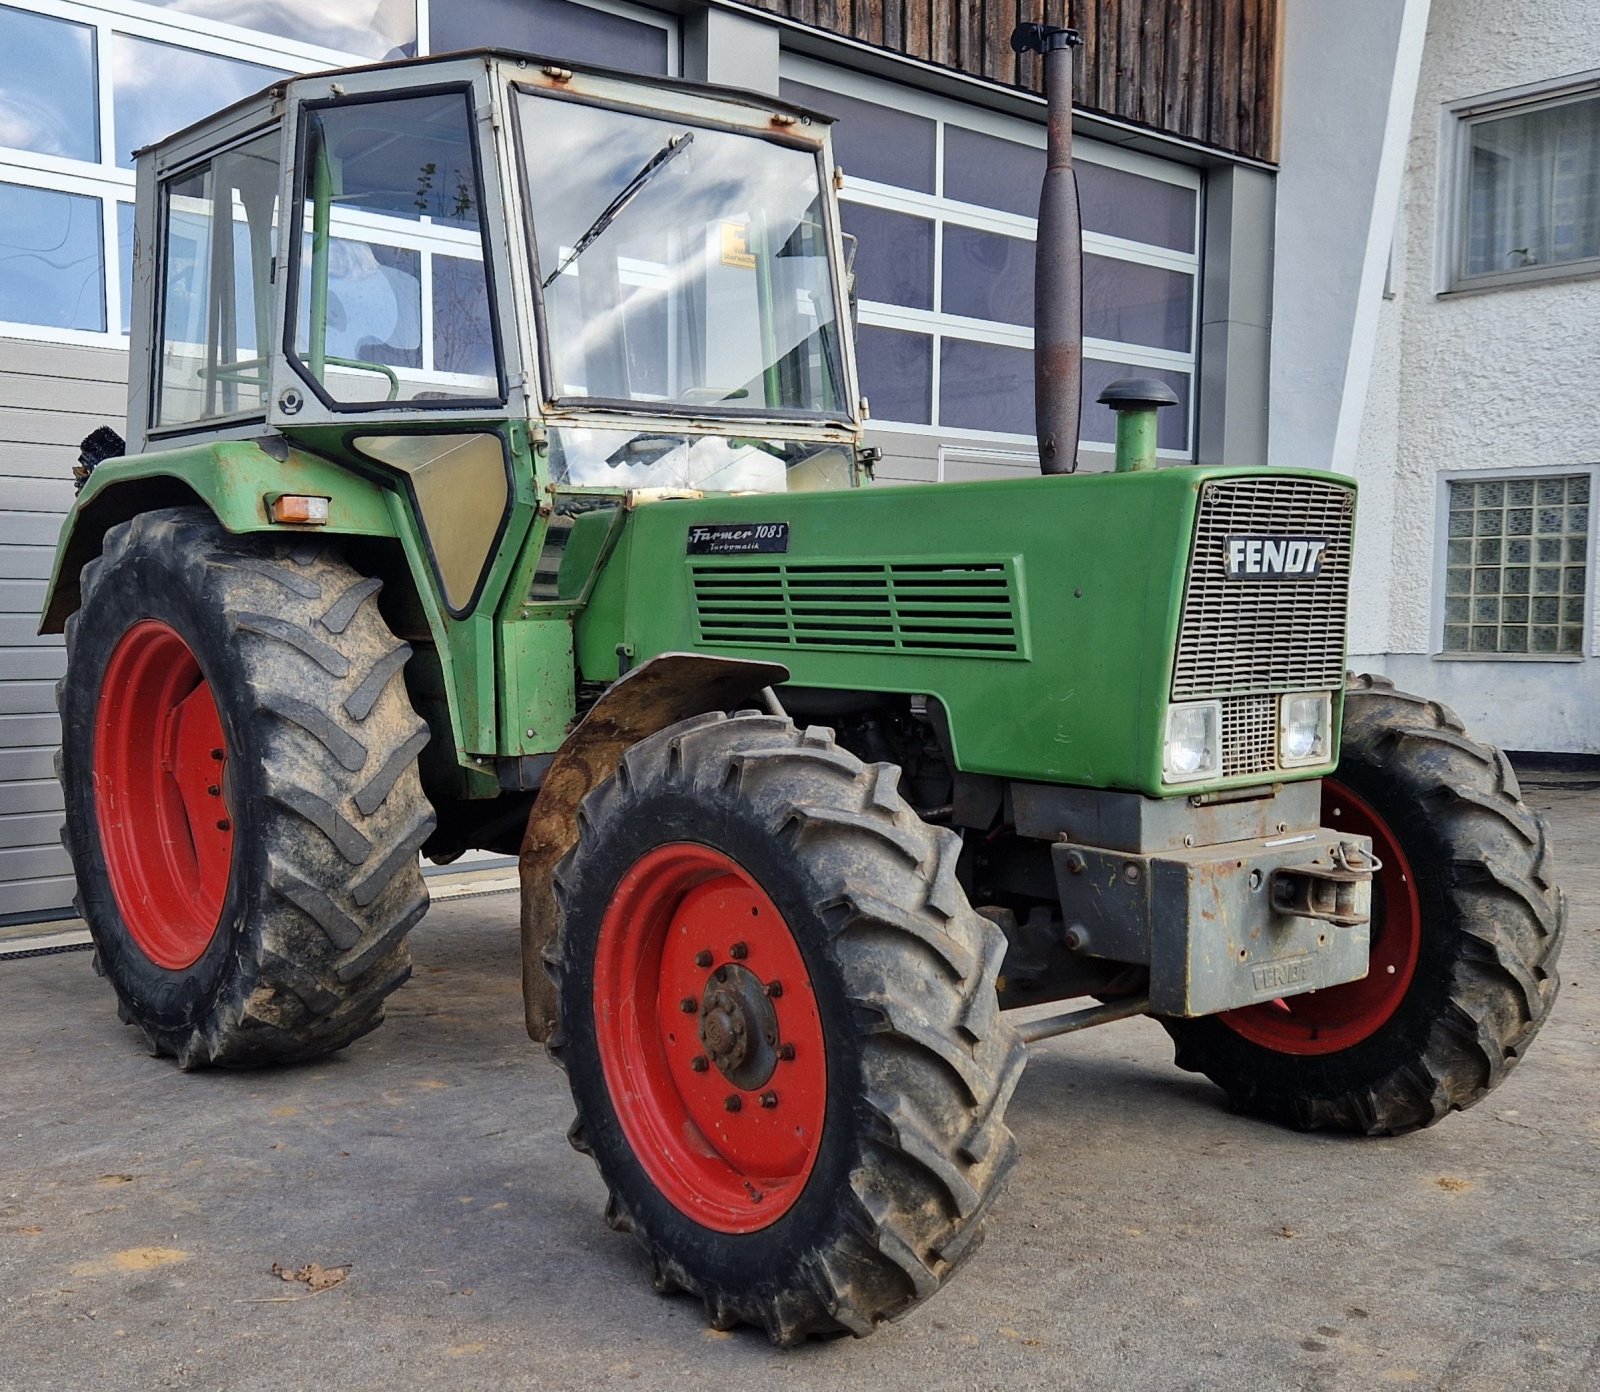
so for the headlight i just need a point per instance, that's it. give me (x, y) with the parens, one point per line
(1193, 748)
(1305, 728)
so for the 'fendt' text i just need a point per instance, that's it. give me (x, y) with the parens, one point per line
(1274, 558)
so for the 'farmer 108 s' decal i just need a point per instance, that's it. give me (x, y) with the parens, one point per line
(737, 538)
(1274, 557)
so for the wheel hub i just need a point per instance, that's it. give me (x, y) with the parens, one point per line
(719, 1075)
(739, 1026)
(163, 794)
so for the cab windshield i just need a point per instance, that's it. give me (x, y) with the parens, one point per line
(681, 266)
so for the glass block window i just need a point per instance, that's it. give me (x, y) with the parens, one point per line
(1516, 559)
(944, 217)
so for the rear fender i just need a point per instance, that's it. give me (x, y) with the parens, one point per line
(236, 479)
(654, 695)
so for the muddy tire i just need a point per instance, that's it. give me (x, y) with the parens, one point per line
(1467, 923)
(846, 1131)
(243, 808)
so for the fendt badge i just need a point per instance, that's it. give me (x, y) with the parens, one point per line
(1274, 558)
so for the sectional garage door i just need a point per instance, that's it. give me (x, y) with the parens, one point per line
(51, 396)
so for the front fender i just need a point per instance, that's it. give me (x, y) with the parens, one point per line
(235, 479)
(659, 693)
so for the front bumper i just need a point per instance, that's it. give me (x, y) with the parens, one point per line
(1224, 925)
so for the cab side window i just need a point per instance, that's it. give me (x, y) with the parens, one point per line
(219, 227)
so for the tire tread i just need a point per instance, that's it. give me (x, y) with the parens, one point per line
(321, 942)
(919, 966)
(1503, 916)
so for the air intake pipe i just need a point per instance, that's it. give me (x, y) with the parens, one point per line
(1058, 260)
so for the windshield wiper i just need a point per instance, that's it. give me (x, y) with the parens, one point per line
(628, 192)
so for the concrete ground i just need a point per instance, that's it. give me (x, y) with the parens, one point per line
(1150, 1238)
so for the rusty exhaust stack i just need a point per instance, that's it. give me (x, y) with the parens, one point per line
(1058, 260)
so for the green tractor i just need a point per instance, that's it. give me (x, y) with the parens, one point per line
(494, 479)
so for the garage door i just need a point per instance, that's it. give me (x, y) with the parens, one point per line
(51, 396)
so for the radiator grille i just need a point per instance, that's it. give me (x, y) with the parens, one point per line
(967, 608)
(1249, 735)
(1249, 637)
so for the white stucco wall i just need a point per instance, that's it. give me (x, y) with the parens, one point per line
(1494, 380)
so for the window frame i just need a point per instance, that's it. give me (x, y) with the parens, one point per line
(111, 184)
(936, 324)
(158, 317)
(1456, 164)
(1441, 533)
(105, 179)
(424, 242)
(595, 409)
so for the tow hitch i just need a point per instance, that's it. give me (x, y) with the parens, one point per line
(1337, 889)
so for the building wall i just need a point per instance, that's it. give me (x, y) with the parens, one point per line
(58, 381)
(1349, 90)
(50, 394)
(1203, 69)
(1492, 380)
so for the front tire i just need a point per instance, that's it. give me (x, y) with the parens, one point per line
(1467, 924)
(243, 808)
(779, 1019)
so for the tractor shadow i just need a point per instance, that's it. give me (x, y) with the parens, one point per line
(1120, 1082)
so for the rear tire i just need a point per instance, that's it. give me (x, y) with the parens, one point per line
(890, 1107)
(1471, 883)
(316, 791)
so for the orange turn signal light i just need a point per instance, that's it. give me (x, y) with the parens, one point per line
(299, 508)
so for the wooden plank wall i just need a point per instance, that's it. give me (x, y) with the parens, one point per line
(1203, 69)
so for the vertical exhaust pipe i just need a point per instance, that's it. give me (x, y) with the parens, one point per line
(1058, 260)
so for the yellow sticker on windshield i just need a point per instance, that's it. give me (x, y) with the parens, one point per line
(736, 245)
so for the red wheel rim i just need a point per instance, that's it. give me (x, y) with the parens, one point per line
(1324, 1022)
(726, 1124)
(160, 794)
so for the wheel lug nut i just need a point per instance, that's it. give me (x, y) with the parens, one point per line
(688, 1005)
(698, 1064)
(774, 989)
(738, 952)
(213, 791)
(223, 824)
(702, 958)
(732, 1102)
(769, 1100)
(786, 1052)
(218, 755)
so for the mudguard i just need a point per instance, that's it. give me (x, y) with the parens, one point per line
(236, 479)
(658, 693)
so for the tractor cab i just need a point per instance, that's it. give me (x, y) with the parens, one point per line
(644, 280)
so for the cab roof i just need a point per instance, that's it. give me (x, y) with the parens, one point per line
(277, 91)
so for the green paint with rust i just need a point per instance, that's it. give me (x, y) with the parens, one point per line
(1092, 567)
(1051, 651)
(236, 479)
(488, 655)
